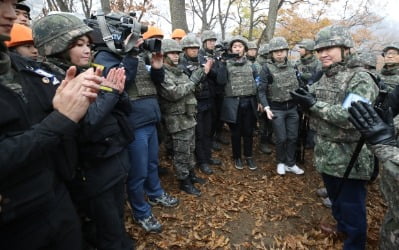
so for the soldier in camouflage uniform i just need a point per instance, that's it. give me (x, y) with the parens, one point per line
(239, 104)
(390, 71)
(179, 107)
(308, 65)
(252, 51)
(378, 130)
(336, 138)
(192, 68)
(277, 78)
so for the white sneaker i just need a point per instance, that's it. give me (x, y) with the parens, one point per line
(294, 169)
(281, 169)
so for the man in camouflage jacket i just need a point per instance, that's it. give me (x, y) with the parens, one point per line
(178, 108)
(336, 138)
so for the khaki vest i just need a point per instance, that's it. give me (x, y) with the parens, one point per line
(143, 85)
(284, 81)
(241, 80)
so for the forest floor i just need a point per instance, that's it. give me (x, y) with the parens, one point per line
(244, 209)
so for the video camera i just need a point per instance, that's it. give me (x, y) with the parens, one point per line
(111, 31)
(222, 52)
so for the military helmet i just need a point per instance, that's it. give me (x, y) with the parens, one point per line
(368, 58)
(332, 36)
(394, 45)
(190, 41)
(170, 45)
(264, 50)
(278, 43)
(252, 45)
(54, 33)
(238, 38)
(208, 35)
(307, 44)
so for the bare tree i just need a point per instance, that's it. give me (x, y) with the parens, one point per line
(223, 16)
(86, 6)
(178, 14)
(205, 10)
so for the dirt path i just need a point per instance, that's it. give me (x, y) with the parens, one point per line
(243, 209)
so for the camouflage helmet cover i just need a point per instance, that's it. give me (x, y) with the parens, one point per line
(307, 44)
(332, 36)
(252, 45)
(368, 58)
(208, 35)
(278, 43)
(170, 45)
(264, 49)
(54, 33)
(241, 39)
(394, 45)
(190, 41)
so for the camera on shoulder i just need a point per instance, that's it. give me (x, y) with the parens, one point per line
(110, 32)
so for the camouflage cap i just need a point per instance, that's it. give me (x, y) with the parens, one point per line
(264, 50)
(333, 36)
(208, 35)
(190, 41)
(394, 45)
(278, 43)
(54, 33)
(307, 44)
(170, 45)
(252, 45)
(368, 58)
(241, 39)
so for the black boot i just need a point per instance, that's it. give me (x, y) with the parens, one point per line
(215, 161)
(195, 179)
(221, 139)
(216, 146)
(187, 186)
(204, 167)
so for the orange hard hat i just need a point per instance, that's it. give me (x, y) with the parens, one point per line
(153, 31)
(20, 34)
(178, 33)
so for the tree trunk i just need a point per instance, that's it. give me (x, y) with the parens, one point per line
(274, 6)
(62, 6)
(105, 5)
(178, 14)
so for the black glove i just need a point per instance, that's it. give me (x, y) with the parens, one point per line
(376, 126)
(302, 97)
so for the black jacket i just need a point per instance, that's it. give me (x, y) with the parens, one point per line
(31, 144)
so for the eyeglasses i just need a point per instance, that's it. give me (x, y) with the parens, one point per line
(390, 53)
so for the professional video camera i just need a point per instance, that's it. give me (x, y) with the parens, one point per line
(111, 30)
(223, 53)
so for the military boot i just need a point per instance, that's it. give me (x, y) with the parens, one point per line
(187, 186)
(195, 179)
(204, 167)
(221, 139)
(265, 149)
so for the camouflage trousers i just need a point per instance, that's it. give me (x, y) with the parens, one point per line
(183, 152)
(389, 235)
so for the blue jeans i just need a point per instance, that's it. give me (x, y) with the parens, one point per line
(349, 209)
(143, 173)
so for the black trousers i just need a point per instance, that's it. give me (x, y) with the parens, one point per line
(55, 227)
(217, 124)
(243, 128)
(106, 214)
(203, 136)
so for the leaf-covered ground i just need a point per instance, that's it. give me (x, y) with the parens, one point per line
(244, 209)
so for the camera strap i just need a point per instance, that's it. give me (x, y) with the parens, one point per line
(107, 37)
